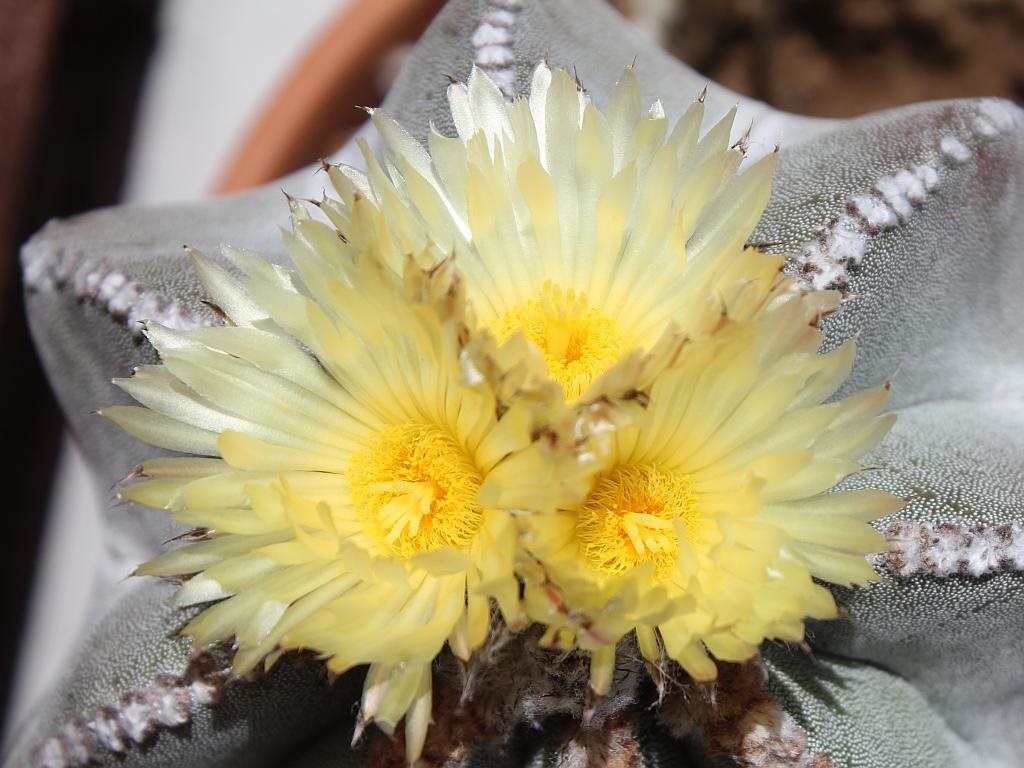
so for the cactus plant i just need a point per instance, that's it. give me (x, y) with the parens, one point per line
(913, 211)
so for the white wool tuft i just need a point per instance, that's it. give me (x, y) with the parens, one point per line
(492, 44)
(947, 549)
(95, 281)
(169, 701)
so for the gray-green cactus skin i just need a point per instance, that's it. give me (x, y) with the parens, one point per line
(917, 211)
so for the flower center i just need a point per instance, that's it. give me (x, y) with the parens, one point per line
(415, 490)
(630, 517)
(578, 342)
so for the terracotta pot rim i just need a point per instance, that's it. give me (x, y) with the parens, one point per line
(336, 73)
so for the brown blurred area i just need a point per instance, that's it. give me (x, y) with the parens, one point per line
(838, 58)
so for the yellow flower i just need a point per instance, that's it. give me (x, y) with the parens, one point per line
(596, 235)
(341, 492)
(616, 246)
(714, 501)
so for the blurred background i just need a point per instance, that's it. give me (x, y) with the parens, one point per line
(147, 101)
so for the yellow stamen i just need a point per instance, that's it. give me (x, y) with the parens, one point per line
(578, 342)
(630, 517)
(415, 489)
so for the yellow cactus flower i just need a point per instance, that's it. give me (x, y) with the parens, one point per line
(711, 516)
(596, 235)
(340, 490)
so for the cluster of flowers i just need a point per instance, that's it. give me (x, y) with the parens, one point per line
(530, 374)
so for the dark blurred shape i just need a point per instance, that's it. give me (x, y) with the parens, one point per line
(70, 79)
(839, 58)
